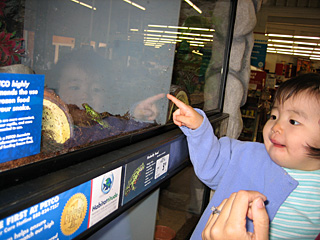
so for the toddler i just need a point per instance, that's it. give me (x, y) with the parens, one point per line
(286, 168)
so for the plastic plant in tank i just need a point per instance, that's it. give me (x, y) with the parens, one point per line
(11, 48)
(2, 6)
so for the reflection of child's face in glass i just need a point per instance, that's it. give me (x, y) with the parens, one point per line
(78, 86)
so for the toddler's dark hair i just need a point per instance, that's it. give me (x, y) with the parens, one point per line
(309, 83)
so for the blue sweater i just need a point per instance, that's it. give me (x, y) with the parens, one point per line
(228, 165)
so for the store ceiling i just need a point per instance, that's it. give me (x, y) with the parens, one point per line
(298, 22)
(294, 17)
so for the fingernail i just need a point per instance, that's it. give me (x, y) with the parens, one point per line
(260, 203)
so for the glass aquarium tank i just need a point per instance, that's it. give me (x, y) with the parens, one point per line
(107, 67)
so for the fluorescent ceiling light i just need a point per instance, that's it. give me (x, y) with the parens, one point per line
(203, 39)
(194, 6)
(314, 55)
(306, 37)
(196, 45)
(84, 4)
(135, 5)
(294, 47)
(288, 53)
(279, 35)
(177, 27)
(205, 35)
(290, 50)
(187, 38)
(291, 36)
(306, 43)
(152, 41)
(174, 37)
(159, 26)
(196, 42)
(292, 42)
(155, 31)
(169, 32)
(197, 52)
(276, 45)
(191, 34)
(185, 28)
(297, 48)
(280, 41)
(199, 29)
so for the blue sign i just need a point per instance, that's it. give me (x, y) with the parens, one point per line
(21, 102)
(63, 216)
(144, 172)
(258, 55)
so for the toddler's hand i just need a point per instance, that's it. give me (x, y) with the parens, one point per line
(185, 115)
(147, 110)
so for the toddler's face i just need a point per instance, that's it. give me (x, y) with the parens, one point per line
(78, 86)
(292, 127)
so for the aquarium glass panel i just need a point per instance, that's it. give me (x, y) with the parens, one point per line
(108, 65)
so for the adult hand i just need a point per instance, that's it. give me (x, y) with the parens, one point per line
(185, 115)
(147, 110)
(231, 222)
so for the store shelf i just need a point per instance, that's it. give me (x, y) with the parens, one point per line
(246, 116)
(250, 118)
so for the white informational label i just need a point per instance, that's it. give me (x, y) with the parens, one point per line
(104, 195)
(161, 166)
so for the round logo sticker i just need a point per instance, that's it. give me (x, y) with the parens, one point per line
(73, 214)
(107, 183)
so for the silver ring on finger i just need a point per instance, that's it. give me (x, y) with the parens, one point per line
(215, 210)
